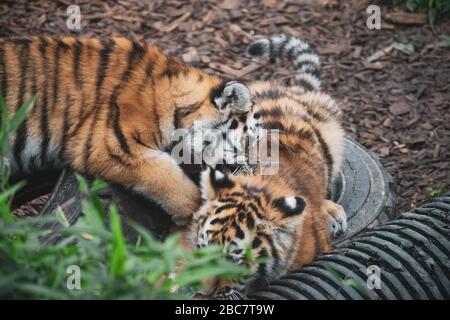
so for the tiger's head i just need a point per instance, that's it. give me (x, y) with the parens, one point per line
(216, 102)
(247, 217)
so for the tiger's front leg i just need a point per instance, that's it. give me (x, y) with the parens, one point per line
(163, 181)
(156, 175)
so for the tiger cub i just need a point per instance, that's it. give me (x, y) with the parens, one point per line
(284, 216)
(108, 108)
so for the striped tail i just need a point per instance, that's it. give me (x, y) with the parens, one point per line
(304, 58)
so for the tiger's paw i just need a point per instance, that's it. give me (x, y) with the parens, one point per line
(336, 218)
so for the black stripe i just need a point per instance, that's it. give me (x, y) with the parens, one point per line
(316, 73)
(135, 55)
(272, 94)
(86, 50)
(274, 253)
(308, 67)
(228, 199)
(257, 199)
(116, 157)
(239, 233)
(20, 41)
(138, 139)
(220, 220)
(34, 83)
(250, 221)
(101, 73)
(306, 51)
(272, 53)
(104, 54)
(22, 131)
(314, 114)
(118, 131)
(253, 208)
(256, 242)
(227, 206)
(44, 114)
(306, 85)
(262, 272)
(290, 53)
(174, 67)
(76, 63)
(272, 112)
(234, 124)
(256, 191)
(289, 130)
(148, 75)
(284, 44)
(59, 46)
(217, 91)
(66, 125)
(326, 152)
(181, 113)
(4, 70)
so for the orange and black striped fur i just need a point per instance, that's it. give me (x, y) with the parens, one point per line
(108, 108)
(284, 216)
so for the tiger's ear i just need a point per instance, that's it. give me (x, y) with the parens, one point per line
(290, 206)
(235, 96)
(212, 181)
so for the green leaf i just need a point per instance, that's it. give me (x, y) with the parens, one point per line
(333, 272)
(82, 183)
(232, 271)
(118, 252)
(6, 194)
(61, 217)
(359, 287)
(156, 274)
(98, 185)
(21, 114)
(5, 114)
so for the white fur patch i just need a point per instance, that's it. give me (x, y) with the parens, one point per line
(291, 202)
(218, 175)
(307, 57)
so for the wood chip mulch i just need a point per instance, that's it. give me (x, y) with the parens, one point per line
(396, 103)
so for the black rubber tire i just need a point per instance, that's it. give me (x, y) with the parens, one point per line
(412, 252)
(364, 189)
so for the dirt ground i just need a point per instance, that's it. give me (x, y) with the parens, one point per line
(397, 104)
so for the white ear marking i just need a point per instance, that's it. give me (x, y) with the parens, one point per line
(291, 202)
(236, 96)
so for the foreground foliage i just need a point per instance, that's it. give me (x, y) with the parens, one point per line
(93, 259)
